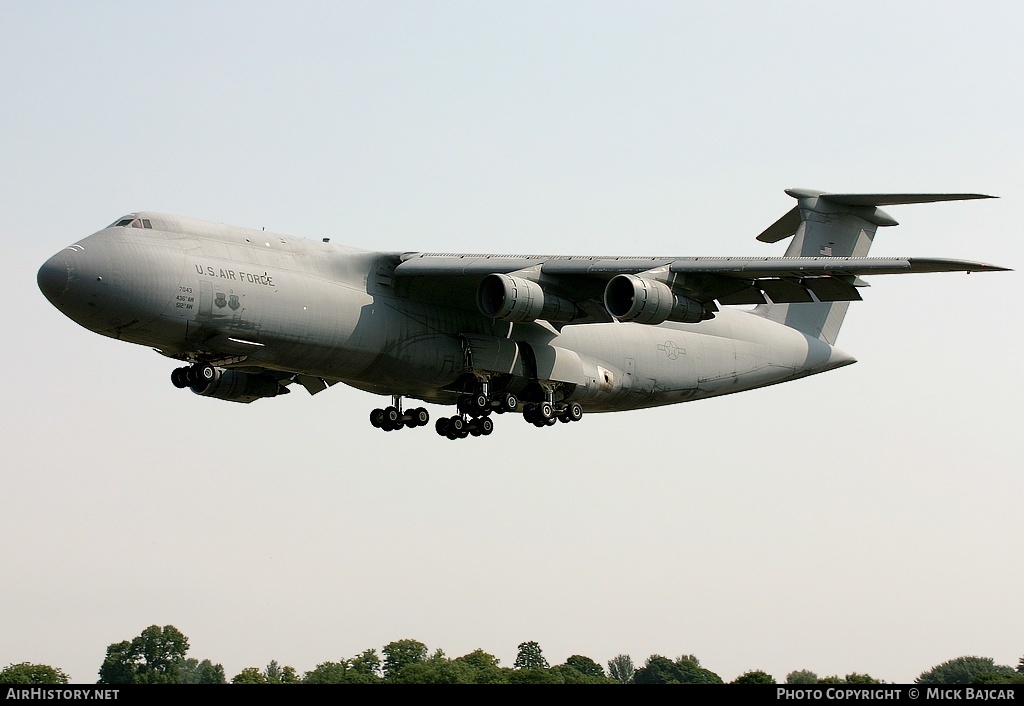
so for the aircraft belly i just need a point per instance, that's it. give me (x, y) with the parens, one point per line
(659, 365)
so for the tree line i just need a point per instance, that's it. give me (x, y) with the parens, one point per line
(157, 656)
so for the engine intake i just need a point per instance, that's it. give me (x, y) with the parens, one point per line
(515, 299)
(235, 386)
(648, 301)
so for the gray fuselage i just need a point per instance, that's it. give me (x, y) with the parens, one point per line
(256, 301)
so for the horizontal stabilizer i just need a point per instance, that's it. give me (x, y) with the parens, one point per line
(831, 203)
(883, 199)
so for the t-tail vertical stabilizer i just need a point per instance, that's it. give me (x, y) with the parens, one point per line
(833, 225)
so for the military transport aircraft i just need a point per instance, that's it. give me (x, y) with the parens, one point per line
(251, 313)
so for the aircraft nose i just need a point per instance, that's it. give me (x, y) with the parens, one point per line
(53, 277)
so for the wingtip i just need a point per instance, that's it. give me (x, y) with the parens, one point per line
(985, 267)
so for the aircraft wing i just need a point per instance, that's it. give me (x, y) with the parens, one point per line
(725, 280)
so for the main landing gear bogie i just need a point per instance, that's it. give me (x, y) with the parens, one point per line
(474, 415)
(457, 427)
(544, 414)
(480, 404)
(392, 418)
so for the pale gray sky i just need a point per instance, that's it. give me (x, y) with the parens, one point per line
(867, 519)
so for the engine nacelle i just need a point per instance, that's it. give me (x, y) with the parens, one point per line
(515, 299)
(235, 386)
(648, 301)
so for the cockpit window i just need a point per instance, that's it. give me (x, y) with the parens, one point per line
(131, 221)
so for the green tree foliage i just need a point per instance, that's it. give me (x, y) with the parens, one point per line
(755, 676)
(565, 674)
(151, 658)
(26, 673)
(361, 669)
(802, 676)
(273, 674)
(438, 669)
(694, 673)
(535, 675)
(855, 678)
(326, 673)
(685, 670)
(530, 656)
(366, 663)
(620, 668)
(1020, 666)
(485, 666)
(400, 654)
(276, 674)
(119, 666)
(999, 678)
(206, 672)
(478, 659)
(962, 670)
(852, 678)
(249, 675)
(657, 670)
(585, 665)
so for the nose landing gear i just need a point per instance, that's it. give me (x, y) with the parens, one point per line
(198, 375)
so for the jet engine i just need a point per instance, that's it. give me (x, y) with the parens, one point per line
(515, 299)
(235, 386)
(648, 301)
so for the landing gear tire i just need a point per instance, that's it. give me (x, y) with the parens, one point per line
(441, 426)
(574, 412)
(421, 417)
(179, 378)
(479, 404)
(377, 418)
(509, 403)
(457, 428)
